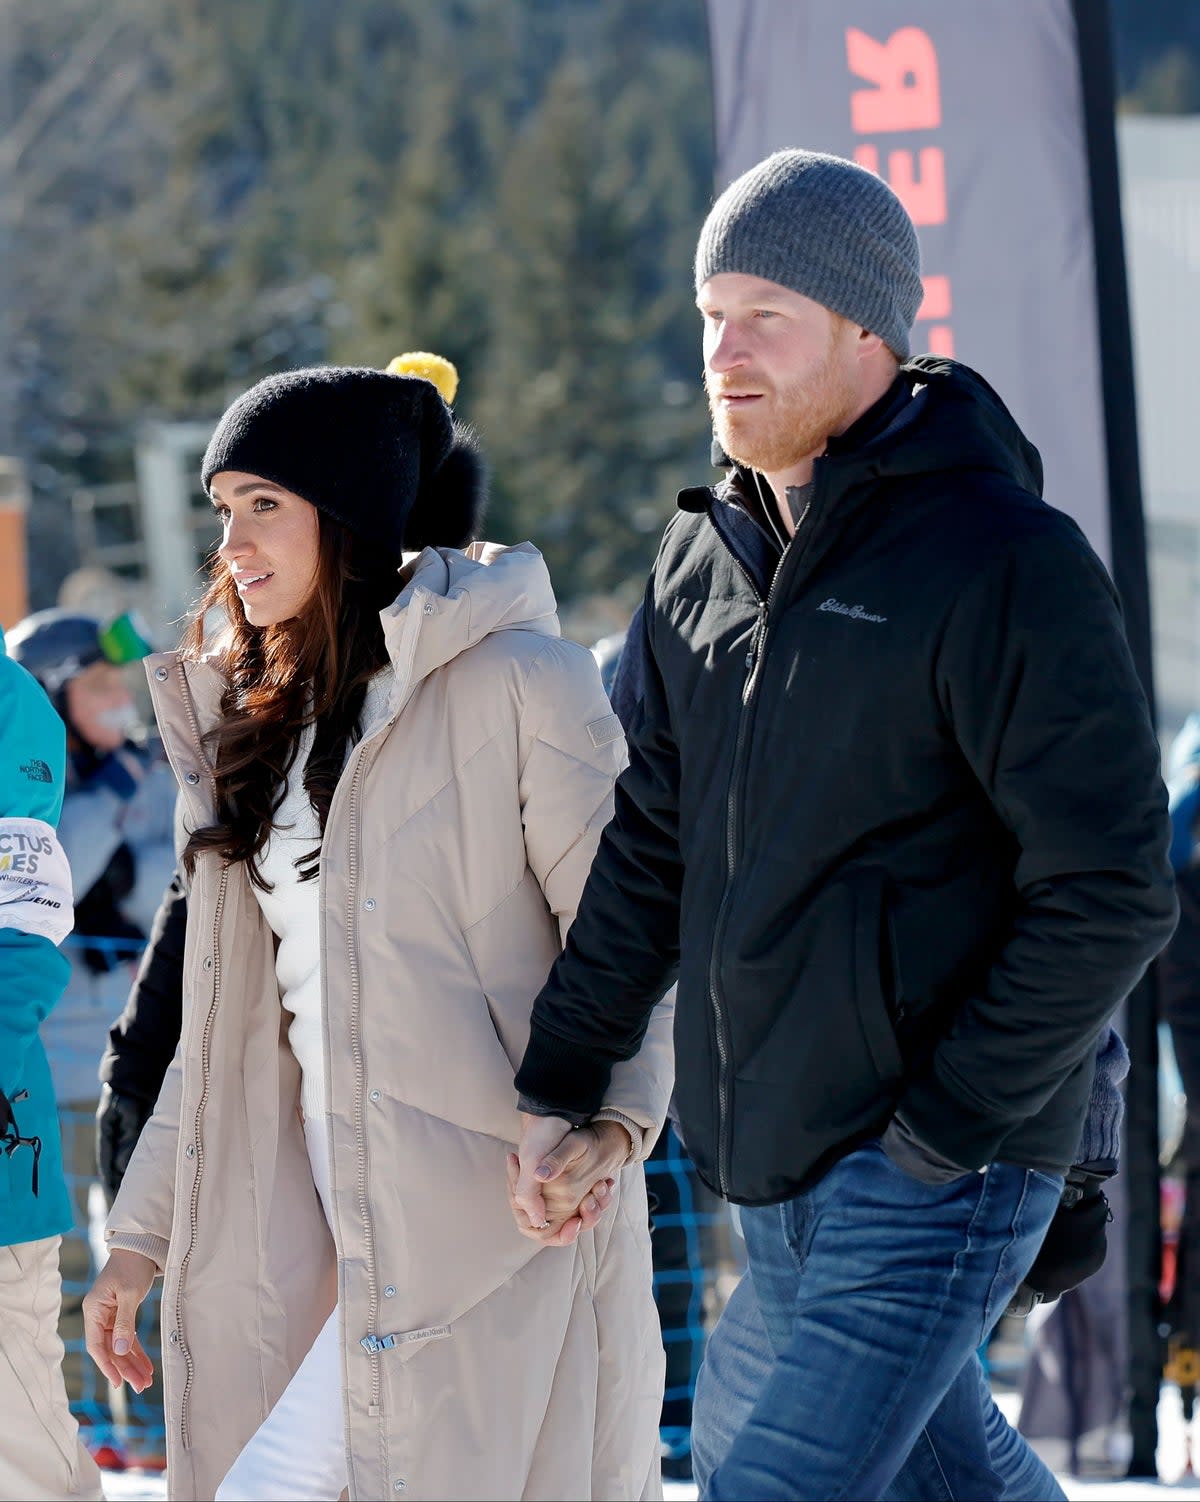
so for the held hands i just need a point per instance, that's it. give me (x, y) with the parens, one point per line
(560, 1180)
(110, 1319)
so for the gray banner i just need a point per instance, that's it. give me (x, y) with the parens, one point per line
(973, 114)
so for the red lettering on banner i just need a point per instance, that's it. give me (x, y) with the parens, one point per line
(923, 195)
(905, 94)
(904, 72)
(936, 302)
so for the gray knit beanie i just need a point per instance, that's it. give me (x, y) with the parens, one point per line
(827, 229)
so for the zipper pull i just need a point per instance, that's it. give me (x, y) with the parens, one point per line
(756, 635)
(756, 641)
(376, 1343)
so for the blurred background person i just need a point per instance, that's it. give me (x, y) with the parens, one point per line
(1179, 1001)
(117, 830)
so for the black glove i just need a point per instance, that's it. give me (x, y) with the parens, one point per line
(1076, 1242)
(119, 1123)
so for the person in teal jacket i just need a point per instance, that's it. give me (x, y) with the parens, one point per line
(41, 1455)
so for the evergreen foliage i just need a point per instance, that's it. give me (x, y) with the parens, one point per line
(219, 190)
(194, 193)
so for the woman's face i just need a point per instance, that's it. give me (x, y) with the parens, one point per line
(100, 707)
(270, 543)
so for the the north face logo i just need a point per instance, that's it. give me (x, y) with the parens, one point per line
(37, 771)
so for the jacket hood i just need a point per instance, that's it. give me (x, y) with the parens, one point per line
(450, 600)
(956, 421)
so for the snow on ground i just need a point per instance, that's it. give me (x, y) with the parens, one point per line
(137, 1486)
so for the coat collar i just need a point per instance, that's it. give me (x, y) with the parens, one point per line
(450, 600)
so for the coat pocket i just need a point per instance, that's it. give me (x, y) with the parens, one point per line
(821, 1026)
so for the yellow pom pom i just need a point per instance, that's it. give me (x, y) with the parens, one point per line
(433, 368)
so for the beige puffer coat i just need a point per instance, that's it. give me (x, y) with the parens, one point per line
(476, 1364)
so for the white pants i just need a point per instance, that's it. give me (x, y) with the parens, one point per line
(298, 1452)
(41, 1455)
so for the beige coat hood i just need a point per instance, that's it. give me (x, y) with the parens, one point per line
(460, 835)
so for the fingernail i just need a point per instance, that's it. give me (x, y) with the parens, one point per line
(590, 1204)
(602, 1192)
(121, 1347)
(543, 1171)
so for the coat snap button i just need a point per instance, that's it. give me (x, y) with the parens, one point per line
(369, 904)
(190, 1150)
(428, 611)
(389, 1292)
(375, 1095)
(191, 778)
(400, 1485)
(161, 674)
(208, 962)
(174, 1337)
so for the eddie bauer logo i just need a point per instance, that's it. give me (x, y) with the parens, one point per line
(37, 771)
(855, 612)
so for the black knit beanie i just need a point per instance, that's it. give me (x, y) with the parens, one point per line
(380, 453)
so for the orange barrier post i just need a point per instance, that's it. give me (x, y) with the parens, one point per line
(14, 563)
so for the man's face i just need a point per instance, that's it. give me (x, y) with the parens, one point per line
(781, 371)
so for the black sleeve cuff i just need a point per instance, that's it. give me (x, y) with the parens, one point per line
(538, 1108)
(565, 1079)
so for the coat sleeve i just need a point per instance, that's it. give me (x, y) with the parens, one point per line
(142, 1041)
(572, 748)
(1040, 692)
(141, 1215)
(622, 953)
(33, 971)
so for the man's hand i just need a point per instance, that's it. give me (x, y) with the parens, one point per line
(110, 1319)
(1075, 1246)
(560, 1179)
(119, 1123)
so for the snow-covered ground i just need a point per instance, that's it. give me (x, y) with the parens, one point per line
(133, 1486)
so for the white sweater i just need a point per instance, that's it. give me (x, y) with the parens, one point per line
(292, 908)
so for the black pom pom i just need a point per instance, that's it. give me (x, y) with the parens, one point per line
(449, 508)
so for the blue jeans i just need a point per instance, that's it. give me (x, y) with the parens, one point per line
(844, 1364)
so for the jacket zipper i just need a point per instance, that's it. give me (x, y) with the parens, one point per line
(198, 1143)
(754, 657)
(356, 1046)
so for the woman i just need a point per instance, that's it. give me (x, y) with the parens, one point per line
(393, 799)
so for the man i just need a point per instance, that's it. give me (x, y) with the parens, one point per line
(893, 813)
(40, 1452)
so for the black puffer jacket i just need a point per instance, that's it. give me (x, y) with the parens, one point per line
(896, 816)
(142, 1041)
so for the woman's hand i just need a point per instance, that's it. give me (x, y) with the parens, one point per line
(110, 1319)
(575, 1179)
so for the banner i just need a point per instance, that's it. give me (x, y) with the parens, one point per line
(993, 123)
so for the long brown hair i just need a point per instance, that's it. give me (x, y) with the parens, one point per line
(311, 670)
